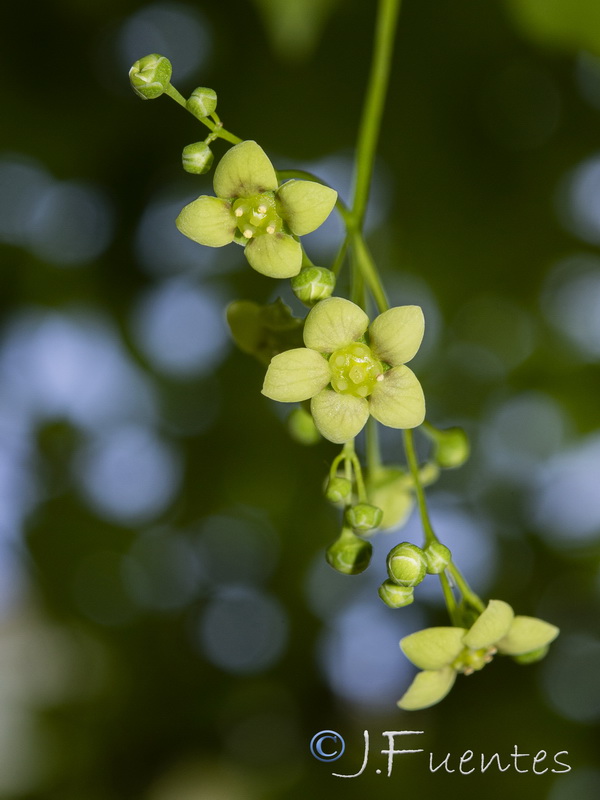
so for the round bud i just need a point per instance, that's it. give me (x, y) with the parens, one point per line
(349, 554)
(302, 428)
(312, 284)
(396, 596)
(533, 656)
(437, 557)
(338, 490)
(364, 517)
(150, 76)
(197, 158)
(202, 102)
(451, 448)
(406, 564)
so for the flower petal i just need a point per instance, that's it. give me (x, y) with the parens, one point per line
(433, 648)
(397, 401)
(396, 335)
(208, 221)
(244, 170)
(527, 634)
(427, 689)
(277, 255)
(334, 323)
(305, 205)
(296, 375)
(492, 625)
(339, 417)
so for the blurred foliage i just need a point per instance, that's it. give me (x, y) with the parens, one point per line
(111, 600)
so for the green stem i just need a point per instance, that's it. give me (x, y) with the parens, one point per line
(468, 594)
(373, 449)
(413, 465)
(450, 600)
(368, 135)
(369, 271)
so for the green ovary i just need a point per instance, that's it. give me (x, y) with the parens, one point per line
(472, 660)
(257, 214)
(354, 370)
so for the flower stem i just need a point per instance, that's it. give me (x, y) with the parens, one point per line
(364, 259)
(368, 135)
(413, 465)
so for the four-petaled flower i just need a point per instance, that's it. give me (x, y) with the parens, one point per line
(352, 369)
(444, 652)
(251, 209)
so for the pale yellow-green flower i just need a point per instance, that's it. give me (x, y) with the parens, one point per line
(251, 209)
(352, 369)
(444, 652)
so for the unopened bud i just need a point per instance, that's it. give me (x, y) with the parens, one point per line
(364, 517)
(406, 564)
(150, 76)
(197, 158)
(338, 490)
(312, 284)
(202, 102)
(302, 427)
(349, 554)
(437, 557)
(451, 447)
(396, 596)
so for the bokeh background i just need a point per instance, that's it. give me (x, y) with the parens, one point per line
(168, 627)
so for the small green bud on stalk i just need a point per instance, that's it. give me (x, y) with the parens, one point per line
(302, 428)
(312, 284)
(533, 656)
(364, 517)
(396, 596)
(451, 446)
(202, 102)
(406, 564)
(349, 554)
(197, 158)
(437, 557)
(151, 76)
(338, 490)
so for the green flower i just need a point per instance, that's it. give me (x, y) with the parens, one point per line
(444, 652)
(250, 208)
(352, 369)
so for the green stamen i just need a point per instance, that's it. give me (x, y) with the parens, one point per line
(257, 214)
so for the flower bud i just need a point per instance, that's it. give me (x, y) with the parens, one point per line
(150, 76)
(349, 554)
(312, 284)
(338, 490)
(451, 447)
(406, 564)
(437, 557)
(197, 158)
(302, 428)
(533, 656)
(396, 596)
(364, 517)
(202, 102)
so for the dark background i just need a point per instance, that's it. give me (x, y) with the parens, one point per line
(168, 627)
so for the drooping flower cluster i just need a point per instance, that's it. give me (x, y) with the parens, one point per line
(444, 652)
(251, 209)
(350, 369)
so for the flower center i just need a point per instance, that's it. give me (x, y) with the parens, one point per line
(257, 214)
(354, 370)
(471, 660)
